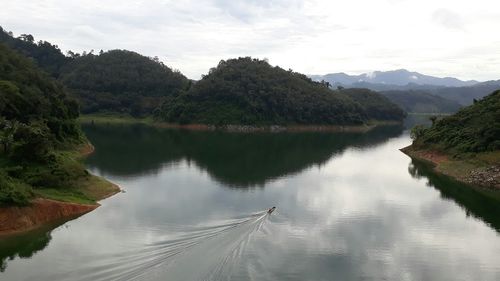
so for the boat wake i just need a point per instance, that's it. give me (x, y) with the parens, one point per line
(196, 253)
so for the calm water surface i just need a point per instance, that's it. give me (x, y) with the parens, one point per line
(349, 207)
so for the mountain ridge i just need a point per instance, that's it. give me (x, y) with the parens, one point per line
(398, 77)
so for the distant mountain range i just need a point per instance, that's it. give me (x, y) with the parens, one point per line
(416, 92)
(400, 77)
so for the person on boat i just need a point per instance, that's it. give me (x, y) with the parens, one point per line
(271, 210)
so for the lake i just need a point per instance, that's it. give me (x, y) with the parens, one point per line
(350, 206)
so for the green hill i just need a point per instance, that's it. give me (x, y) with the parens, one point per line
(475, 128)
(121, 81)
(117, 81)
(47, 56)
(375, 105)
(38, 132)
(252, 92)
(29, 95)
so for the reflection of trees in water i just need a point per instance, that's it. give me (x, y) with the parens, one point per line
(234, 159)
(481, 204)
(22, 246)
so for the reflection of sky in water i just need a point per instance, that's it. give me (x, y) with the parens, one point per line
(358, 216)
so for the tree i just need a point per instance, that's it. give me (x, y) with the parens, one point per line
(417, 132)
(33, 142)
(27, 38)
(7, 131)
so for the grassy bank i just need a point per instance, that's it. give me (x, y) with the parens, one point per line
(84, 191)
(481, 169)
(44, 194)
(63, 179)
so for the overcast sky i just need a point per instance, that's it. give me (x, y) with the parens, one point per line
(438, 37)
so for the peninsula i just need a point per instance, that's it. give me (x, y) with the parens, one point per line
(466, 145)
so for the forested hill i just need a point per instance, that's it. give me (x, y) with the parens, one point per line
(250, 91)
(121, 81)
(376, 106)
(49, 57)
(115, 81)
(36, 119)
(475, 128)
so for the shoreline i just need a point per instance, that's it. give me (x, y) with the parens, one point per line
(44, 211)
(40, 212)
(113, 119)
(475, 172)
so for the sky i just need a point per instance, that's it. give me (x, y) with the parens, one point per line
(457, 38)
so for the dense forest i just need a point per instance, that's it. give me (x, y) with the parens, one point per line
(251, 91)
(237, 91)
(121, 81)
(117, 81)
(473, 129)
(376, 106)
(37, 122)
(416, 101)
(47, 56)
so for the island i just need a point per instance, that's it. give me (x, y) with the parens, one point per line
(250, 92)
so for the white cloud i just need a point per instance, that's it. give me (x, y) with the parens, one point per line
(448, 19)
(310, 36)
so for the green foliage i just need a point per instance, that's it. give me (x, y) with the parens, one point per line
(121, 81)
(117, 81)
(376, 106)
(32, 143)
(250, 91)
(49, 57)
(37, 121)
(473, 129)
(13, 191)
(417, 132)
(28, 93)
(7, 130)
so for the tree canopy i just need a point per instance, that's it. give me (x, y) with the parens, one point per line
(250, 91)
(47, 56)
(376, 106)
(475, 128)
(117, 81)
(36, 119)
(121, 81)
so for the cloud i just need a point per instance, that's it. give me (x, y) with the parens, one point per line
(309, 36)
(448, 19)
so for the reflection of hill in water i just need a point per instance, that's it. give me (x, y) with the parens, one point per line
(234, 159)
(23, 246)
(480, 203)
